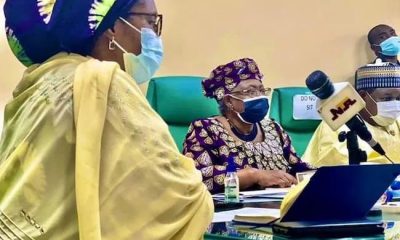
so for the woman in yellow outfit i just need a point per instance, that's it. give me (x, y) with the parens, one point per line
(82, 154)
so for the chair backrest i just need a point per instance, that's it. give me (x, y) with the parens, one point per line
(179, 101)
(281, 110)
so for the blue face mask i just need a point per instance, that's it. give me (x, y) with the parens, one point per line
(255, 109)
(143, 67)
(391, 46)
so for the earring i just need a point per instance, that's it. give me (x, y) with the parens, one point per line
(111, 44)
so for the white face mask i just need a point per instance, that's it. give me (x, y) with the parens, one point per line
(143, 67)
(388, 112)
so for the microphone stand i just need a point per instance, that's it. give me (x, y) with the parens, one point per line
(356, 155)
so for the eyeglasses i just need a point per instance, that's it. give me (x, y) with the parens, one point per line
(252, 92)
(153, 19)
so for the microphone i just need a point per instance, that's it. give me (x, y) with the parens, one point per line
(339, 104)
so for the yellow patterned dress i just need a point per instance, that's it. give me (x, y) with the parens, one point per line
(84, 156)
(325, 149)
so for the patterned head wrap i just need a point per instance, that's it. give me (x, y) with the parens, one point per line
(39, 29)
(226, 77)
(381, 76)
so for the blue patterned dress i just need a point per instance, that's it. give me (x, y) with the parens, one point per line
(210, 145)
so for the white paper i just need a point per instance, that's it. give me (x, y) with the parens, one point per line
(305, 107)
(228, 216)
(254, 199)
(267, 191)
(221, 196)
(262, 199)
(301, 176)
(266, 195)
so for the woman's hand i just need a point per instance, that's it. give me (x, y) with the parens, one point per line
(273, 178)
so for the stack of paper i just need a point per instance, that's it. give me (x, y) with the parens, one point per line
(268, 194)
(392, 207)
(275, 193)
(248, 213)
(221, 197)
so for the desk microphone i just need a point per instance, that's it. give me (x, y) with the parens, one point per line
(339, 104)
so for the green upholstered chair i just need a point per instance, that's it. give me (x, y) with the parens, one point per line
(281, 110)
(179, 101)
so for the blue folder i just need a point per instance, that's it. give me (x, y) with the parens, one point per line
(339, 196)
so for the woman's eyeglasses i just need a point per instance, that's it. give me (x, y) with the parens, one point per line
(153, 19)
(253, 92)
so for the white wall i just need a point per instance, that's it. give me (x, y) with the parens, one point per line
(288, 39)
(10, 68)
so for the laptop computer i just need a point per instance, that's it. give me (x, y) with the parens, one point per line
(337, 200)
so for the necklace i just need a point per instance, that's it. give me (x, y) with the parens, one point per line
(245, 137)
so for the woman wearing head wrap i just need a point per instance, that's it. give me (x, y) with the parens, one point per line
(258, 145)
(82, 154)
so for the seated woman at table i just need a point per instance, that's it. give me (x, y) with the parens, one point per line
(260, 147)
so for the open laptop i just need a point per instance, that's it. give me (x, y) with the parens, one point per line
(337, 200)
